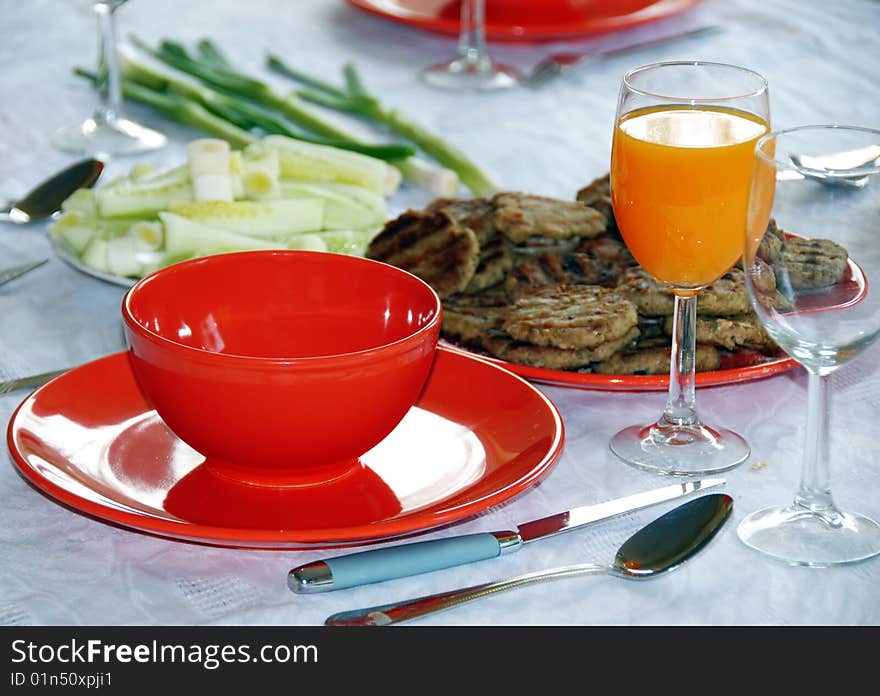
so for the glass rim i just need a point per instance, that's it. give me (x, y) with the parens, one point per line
(787, 164)
(694, 63)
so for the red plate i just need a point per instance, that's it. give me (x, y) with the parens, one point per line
(477, 436)
(528, 20)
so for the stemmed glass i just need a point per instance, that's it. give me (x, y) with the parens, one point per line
(473, 69)
(108, 132)
(681, 165)
(815, 182)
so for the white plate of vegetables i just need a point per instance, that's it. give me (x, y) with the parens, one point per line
(276, 193)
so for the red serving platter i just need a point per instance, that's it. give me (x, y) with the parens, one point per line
(529, 20)
(477, 436)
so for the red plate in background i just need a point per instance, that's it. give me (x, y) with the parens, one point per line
(529, 20)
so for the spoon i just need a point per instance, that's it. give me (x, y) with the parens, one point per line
(850, 168)
(657, 548)
(48, 196)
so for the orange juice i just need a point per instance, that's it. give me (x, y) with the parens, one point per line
(680, 179)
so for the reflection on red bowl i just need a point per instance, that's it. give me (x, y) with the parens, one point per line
(281, 366)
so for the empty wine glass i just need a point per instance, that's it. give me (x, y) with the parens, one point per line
(681, 164)
(108, 132)
(473, 69)
(811, 251)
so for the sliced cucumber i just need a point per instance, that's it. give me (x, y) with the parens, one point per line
(78, 228)
(77, 237)
(185, 237)
(95, 255)
(301, 160)
(122, 257)
(308, 242)
(145, 198)
(260, 185)
(351, 242)
(256, 218)
(147, 236)
(368, 199)
(81, 201)
(341, 211)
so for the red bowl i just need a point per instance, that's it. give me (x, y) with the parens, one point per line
(281, 366)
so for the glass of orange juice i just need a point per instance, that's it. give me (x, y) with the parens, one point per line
(681, 167)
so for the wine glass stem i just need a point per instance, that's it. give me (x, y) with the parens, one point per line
(681, 405)
(472, 38)
(111, 106)
(815, 487)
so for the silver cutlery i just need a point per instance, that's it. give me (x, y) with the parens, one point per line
(29, 382)
(46, 199)
(12, 273)
(828, 169)
(661, 546)
(553, 66)
(414, 558)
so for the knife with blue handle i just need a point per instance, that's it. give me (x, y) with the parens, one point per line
(403, 560)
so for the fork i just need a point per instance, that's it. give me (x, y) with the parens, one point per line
(16, 271)
(553, 66)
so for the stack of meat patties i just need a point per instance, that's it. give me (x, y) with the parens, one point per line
(550, 283)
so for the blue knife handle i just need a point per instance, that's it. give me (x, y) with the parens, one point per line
(399, 561)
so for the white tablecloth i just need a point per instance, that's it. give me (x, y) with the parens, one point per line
(822, 61)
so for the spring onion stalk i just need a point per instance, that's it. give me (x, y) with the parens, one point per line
(215, 72)
(356, 100)
(245, 114)
(183, 109)
(211, 66)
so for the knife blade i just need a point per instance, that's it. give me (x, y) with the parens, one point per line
(29, 382)
(403, 560)
(9, 274)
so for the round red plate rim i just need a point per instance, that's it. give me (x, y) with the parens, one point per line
(418, 521)
(660, 9)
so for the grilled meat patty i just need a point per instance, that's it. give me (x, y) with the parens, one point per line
(570, 316)
(505, 347)
(522, 217)
(726, 296)
(475, 213)
(597, 194)
(468, 318)
(430, 245)
(809, 263)
(495, 262)
(771, 243)
(743, 331)
(652, 298)
(654, 361)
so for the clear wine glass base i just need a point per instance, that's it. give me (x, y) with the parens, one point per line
(680, 450)
(466, 75)
(798, 536)
(108, 138)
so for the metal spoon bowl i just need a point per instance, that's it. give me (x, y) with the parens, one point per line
(661, 546)
(851, 168)
(46, 199)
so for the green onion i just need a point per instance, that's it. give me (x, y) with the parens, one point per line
(358, 101)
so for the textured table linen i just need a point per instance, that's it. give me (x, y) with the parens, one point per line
(822, 61)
